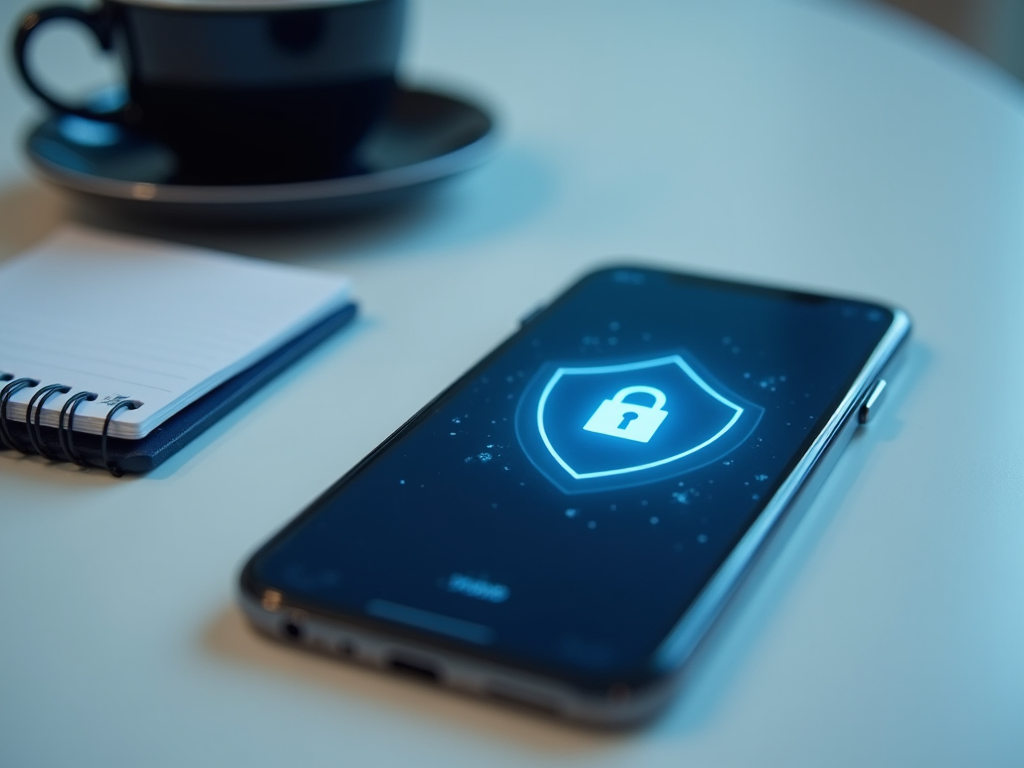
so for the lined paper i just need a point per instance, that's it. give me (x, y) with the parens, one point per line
(136, 319)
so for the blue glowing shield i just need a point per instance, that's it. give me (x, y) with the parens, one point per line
(597, 427)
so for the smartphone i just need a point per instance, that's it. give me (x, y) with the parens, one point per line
(561, 526)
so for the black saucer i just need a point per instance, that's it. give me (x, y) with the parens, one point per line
(424, 138)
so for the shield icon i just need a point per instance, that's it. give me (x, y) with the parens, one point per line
(598, 427)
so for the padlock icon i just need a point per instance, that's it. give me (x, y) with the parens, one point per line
(618, 418)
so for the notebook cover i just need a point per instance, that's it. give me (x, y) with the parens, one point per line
(190, 422)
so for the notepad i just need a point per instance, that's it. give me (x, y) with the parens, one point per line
(158, 324)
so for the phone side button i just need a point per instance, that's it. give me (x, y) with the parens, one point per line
(872, 402)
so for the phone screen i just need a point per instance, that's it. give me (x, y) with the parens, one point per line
(562, 505)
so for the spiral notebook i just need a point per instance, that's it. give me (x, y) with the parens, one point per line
(117, 351)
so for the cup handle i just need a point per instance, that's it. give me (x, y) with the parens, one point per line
(99, 22)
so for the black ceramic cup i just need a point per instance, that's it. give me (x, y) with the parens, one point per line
(243, 91)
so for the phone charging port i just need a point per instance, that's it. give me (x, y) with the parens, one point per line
(417, 669)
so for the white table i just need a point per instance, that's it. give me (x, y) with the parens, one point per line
(826, 145)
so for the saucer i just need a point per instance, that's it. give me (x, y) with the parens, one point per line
(424, 138)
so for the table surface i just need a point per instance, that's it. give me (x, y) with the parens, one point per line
(821, 144)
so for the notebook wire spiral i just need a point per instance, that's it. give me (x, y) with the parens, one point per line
(65, 422)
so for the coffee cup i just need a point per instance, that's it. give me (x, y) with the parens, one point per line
(242, 91)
